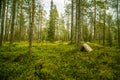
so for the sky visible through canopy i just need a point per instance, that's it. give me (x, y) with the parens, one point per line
(59, 3)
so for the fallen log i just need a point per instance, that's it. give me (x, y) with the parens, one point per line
(87, 48)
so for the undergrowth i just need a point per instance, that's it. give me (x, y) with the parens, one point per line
(58, 61)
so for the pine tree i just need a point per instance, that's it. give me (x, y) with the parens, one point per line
(31, 27)
(0, 7)
(2, 22)
(79, 25)
(94, 20)
(72, 21)
(104, 26)
(7, 22)
(118, 26)
(13, 21)
(52, 22)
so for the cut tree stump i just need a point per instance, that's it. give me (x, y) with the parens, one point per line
(87, 48)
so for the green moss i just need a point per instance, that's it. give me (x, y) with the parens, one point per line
(58, 61)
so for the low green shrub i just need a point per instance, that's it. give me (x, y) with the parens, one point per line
(53, 61)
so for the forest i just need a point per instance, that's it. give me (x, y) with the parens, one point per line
(43, 42)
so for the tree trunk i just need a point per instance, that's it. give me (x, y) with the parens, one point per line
(41, 28)
(87, 47)
(13, 20)
(109, 32)
(104, 26)
(99, 33)
(2, 22)
(91, 28)
(118, 23)
(31, 27)
(68, 27)
(76, 24)
(72, 16)
(79, 25)
(6, 24)
(0, 7)
(94, 20)
(21, 23)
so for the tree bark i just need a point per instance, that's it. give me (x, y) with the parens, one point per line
(79, 25)
(13, 21)
(94, 20)
(6, 24)
(118, 23)
(31, 27)
(2, 22)
(104, 26)
(72, 16)
(109, 32)
(76, 24)
(0, 7)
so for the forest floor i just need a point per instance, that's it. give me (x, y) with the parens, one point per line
(58, 61)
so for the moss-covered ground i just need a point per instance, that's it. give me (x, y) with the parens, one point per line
(58, 61)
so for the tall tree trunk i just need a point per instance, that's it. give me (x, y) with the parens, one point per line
(104, 26)
(99, 33)
(91, 28)
(94, 20)
(41, 28)
(31, 27)
(2, 22)
(79, 24)
(76, 23)
(0, 7)
(13, 21)
(6, 24)
(21, 14)
(72, 16)
(68, 27)
(109, 32)
(118, 23)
